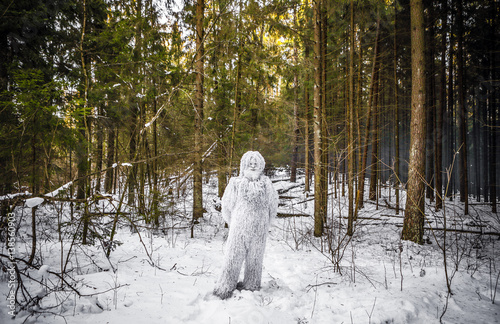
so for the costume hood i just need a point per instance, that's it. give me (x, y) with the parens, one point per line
(245, 159)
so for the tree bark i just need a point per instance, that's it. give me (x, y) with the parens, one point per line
(462, 113)
(198, 119)
(307, 136)
(375, 138)
(438, 145)
(396, 118)
(413, 227)
(108, 182)
(296, 130)
(318, 195)
(324, 125)
(100, 139)
(84, 125)
(495, 96)
(351, 141)
(364, 157)
(430, 102)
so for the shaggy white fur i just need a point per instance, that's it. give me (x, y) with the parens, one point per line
(249, 204)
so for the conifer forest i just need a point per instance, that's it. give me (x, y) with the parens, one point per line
(122, 121)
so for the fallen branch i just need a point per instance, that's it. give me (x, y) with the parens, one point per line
(458, 230)
(283, 215)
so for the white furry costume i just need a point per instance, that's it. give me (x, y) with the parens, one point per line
(248, 206)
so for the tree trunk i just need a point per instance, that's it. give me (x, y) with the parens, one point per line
(462, 114)
(33, 235)
(307, 136)
(450, 120)
(396, 118)
(236, 106)
(100, 139)
(198, 119)
(413, 227)
(132, 170)
(375, 139)
(430, 102)
(296, 130)
(361, 181)
(108, 182)
(350, 140)
(438, 145)
(318, 203)
(83, 186)
(495, 96)
(324, 125)
(156, 192)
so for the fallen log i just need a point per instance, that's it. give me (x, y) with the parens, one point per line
(457, 230)
(288, 197)
(285, 190)
(283, 215)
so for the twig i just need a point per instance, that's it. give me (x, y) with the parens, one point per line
(309, 287)
(315, 295)
(371, 313)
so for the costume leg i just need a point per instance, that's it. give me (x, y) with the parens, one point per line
(253, 264)
(233, 259)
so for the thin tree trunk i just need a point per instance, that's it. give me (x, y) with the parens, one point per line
(364, 157)
(296, 130)
(396, 118)
(350, 140)
(108, 182)
(236, 107)
(438, 145)
(307, 136)
(495, 96)
(100, 139)
(198, 132)
(33, 235)
(375, 139)
(430, 105)
(476, 175)
(324, 125)
(450, 120)
(413, 227)
(462, 113)
(318, 203)
(83, 187)
(156, 192)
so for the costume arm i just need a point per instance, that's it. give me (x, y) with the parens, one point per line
(229, 200)
(273, 199)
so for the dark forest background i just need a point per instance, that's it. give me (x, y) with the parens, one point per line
(147, 95)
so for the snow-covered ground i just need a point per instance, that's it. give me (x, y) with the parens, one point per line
(372, 278)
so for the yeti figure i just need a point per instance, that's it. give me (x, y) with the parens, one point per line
(248, 205)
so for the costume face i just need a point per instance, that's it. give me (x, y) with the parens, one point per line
(252, 172)
(252, 164)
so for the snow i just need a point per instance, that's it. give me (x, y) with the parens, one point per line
(60, 189)
(381, 279)
(127, 164)
(43, 270)
(14, 195)
(33, 202)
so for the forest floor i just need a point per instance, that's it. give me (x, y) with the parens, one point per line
(373, 277)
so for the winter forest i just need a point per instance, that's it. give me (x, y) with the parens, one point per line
(123, 121)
